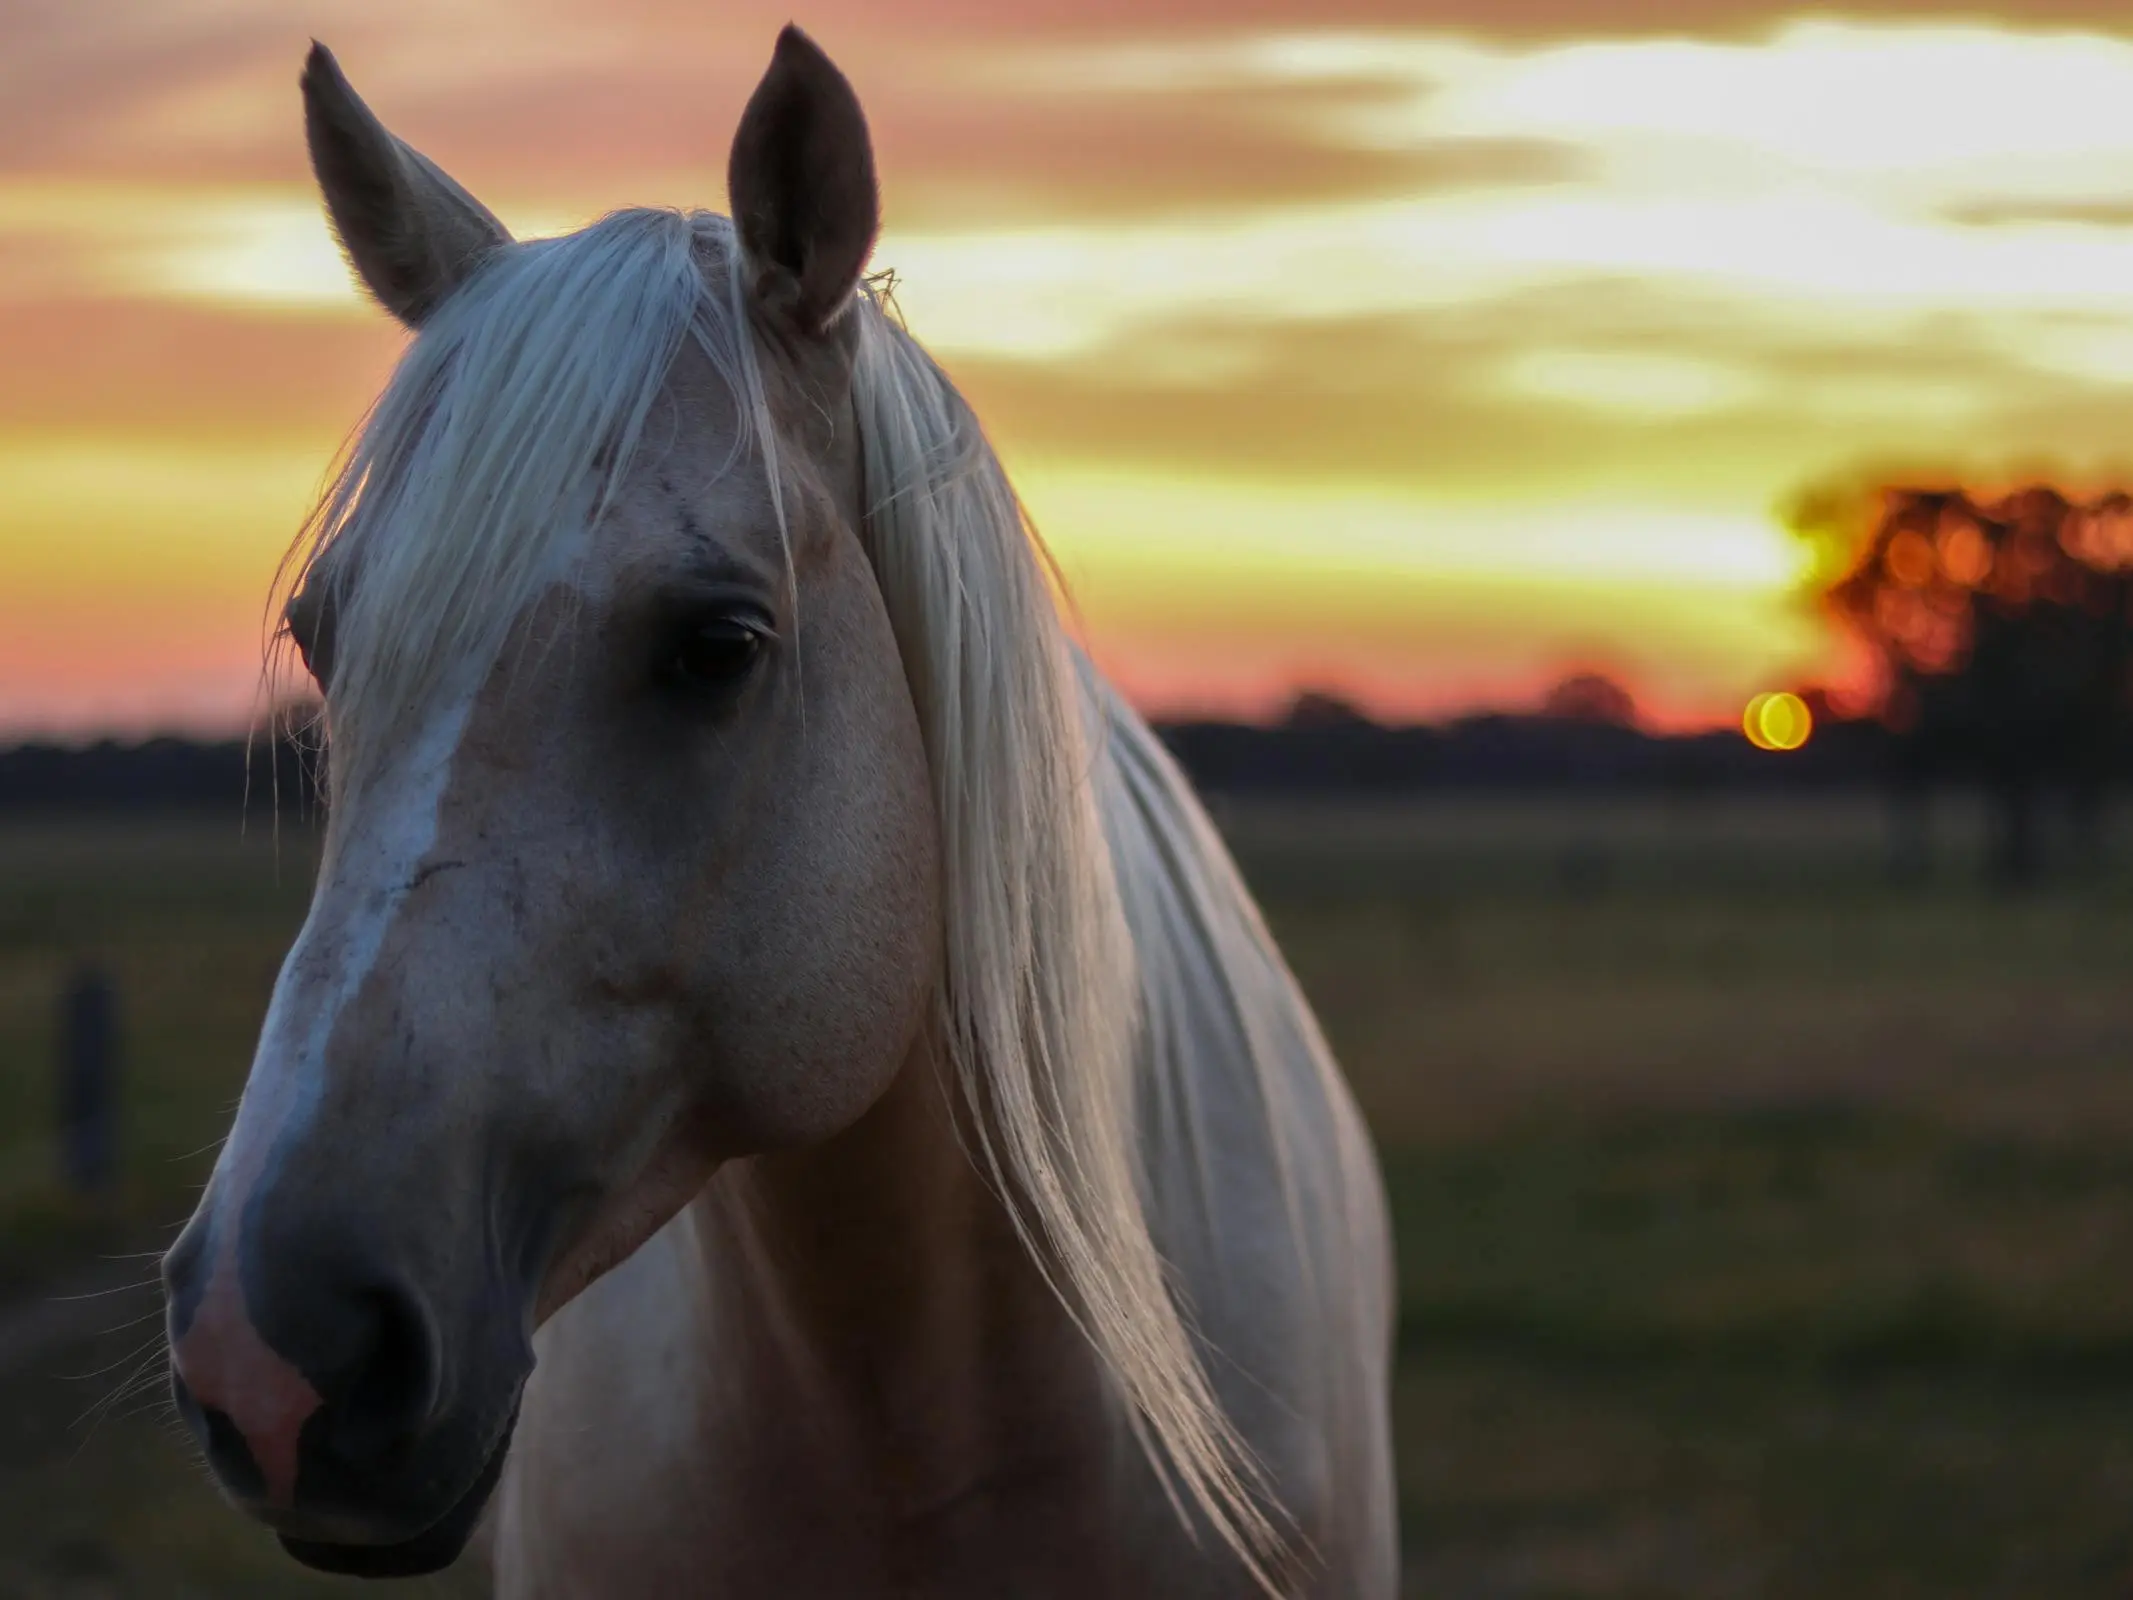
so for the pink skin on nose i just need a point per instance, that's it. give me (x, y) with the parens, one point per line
(230, 1369)
(225, 1363)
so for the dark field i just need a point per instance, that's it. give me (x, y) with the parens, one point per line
(1764, 1231)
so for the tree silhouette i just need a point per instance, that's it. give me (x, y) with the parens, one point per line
(1590, 697)
(2002, 630)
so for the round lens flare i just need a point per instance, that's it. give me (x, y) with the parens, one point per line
(1777, 721)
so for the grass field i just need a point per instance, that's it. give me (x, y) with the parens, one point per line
(1764, 1231)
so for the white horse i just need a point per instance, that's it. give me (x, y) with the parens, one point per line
(755, 950)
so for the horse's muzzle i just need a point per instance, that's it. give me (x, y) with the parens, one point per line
(332, 1399)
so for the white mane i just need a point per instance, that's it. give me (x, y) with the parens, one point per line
(473, 479)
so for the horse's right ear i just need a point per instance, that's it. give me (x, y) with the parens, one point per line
(410, 232)
(801, 183)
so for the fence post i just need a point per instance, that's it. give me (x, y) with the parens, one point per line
(88, 1081)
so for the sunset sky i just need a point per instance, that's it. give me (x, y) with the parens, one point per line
(1426, 352)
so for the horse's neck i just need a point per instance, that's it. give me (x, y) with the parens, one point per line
(876, 1284)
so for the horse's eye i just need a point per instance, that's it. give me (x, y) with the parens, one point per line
(309, 619)
(712, 655)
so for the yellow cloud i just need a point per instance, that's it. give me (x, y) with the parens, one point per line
(1828, 164)
(259, 247)
(1095, 511)
(1623, 381)
(171, 516)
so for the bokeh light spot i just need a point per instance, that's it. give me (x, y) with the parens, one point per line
(1777, 721)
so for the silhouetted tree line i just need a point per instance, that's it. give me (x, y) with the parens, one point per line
(259, 777)
(2001, 628)
(1324, 746)
(1582, 740)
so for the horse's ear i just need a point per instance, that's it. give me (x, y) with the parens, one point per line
(410, 232)
(801, 182)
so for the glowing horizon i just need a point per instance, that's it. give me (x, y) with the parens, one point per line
(1425, 364)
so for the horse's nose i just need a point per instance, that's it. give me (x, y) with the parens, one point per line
(320, 1362)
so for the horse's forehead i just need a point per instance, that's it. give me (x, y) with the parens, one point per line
(691, 505)
(694, 486)
(696, 391)
(697, 491)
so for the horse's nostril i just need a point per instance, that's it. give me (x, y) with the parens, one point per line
(389, 1392)
(230, 1453)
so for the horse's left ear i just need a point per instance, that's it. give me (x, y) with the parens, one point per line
(801, 182)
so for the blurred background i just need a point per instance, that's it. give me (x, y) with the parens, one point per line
(1621, 507)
